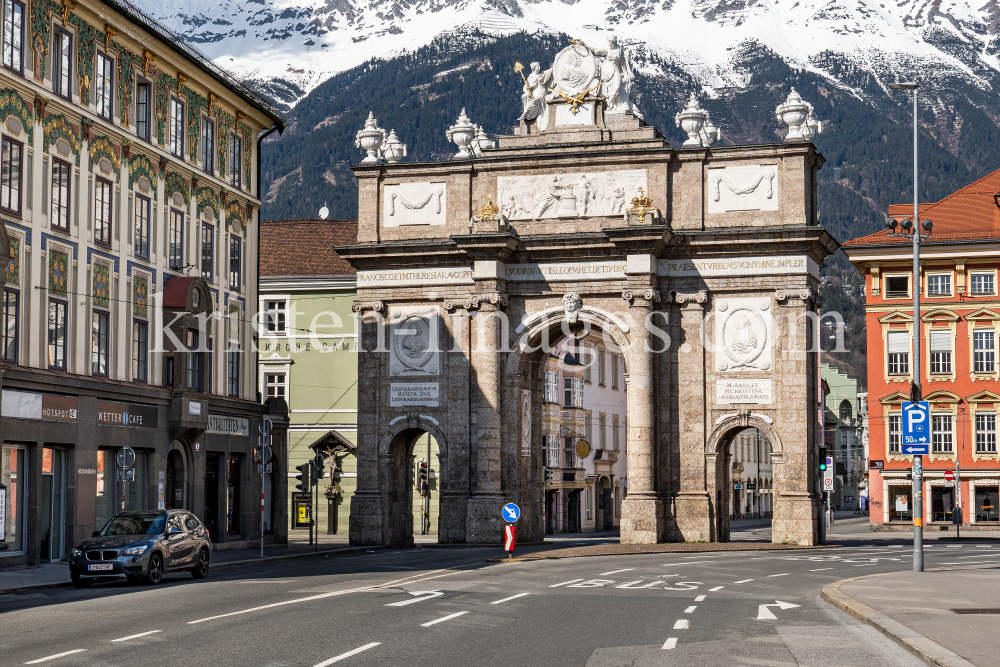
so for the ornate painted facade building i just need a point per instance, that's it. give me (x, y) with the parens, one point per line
(130, 196)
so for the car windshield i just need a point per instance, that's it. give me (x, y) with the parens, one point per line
(135, 525)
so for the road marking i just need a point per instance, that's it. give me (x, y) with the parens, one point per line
(765, 614)
(442, 619)
(717, 588)
(977, 563)
(322, 596)
(742, 581)
(953, 546)
(682, 624)
(700, 598)
(512, 597)
(564, 583)
(783, 574)
(424, 595)
(670, 643)
(979, 556)
(820, 569)
(141, 634)
(690, 610)
(57, 655)
(340, 657)
(982, 546)
(693, 562)
(627, 569)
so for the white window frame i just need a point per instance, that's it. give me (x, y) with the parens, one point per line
(946, 275)
(175, 139)
(550, 387)
(986, 432)
(894, 426)
(909, 285)
(895, 361)
(281, 383)
(991, 275)
(943, 441)
(279, 307)
(104, 86)
(984, 359)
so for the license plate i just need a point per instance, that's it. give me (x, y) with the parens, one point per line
(100, 566)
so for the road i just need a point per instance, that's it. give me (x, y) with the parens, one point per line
(450, 607)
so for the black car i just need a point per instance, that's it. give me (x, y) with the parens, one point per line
(143, 546)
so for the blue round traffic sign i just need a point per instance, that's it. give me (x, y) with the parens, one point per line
(510, 512)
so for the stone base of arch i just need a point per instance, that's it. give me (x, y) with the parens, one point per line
(694, 517)
(483, 524)
(796, 519)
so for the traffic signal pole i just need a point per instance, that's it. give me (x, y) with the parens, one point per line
(918, 473)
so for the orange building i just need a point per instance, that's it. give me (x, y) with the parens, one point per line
(960, 375)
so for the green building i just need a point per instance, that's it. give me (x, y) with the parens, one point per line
(308, 355)
(842, 430)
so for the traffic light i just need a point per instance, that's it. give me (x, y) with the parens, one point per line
(316, 472)
(822, 459)
(422, 476)
(548, 474)
(304, 478)
(909, 473)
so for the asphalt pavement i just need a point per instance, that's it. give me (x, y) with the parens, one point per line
(452, 607)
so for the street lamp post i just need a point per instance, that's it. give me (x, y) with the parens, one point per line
(912, 229)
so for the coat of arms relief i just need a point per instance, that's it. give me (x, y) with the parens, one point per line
(743, 339)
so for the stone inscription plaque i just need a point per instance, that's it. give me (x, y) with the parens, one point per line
(407, 394)
(573, 195)
(737, 266)
(455, 275)
(742, 391)
(580, 271)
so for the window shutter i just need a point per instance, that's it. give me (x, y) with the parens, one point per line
(941, 341)
(898, 342)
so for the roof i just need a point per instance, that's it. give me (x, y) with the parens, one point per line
(968, 214)
(305, 247)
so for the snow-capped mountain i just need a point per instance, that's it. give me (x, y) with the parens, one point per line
(302, 43)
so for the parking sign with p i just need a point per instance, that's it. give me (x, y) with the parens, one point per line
(916, 436)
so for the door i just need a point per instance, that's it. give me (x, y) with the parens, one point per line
(212, 496)
(608, 521)
(233, 497)
(176, 546)
(175, 480)
(53, 500)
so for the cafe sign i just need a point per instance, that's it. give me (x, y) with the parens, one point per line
(127, 415)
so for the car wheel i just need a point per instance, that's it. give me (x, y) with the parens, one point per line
(155, 573)
(200, 571)
(81, 582)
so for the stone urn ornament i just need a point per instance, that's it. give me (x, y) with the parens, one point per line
(370, 139)
(393, 149)
(694, 121)
(797, 114)
(462, 133)
(481, 142)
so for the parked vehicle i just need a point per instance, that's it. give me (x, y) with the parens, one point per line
(143, 546)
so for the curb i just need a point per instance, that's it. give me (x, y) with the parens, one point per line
(215, 566)
(929, 651)
(554, 555)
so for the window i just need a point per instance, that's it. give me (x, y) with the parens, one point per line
(235, 160)
(897, 287)
(13, 35)
(142, 106)
(208, 363)
(551, 390)
(569, 452)
(57, 334)
(551, 450)
(983, 352)
(102, 211)
(939, 284)
(176, 239)
(940, 352)
(62, 63)
(898, 347)
(99, 342)
(986, 506)
(845, 409)
(600, 368)
(142, 211)
(140, 351)
(176, 139)
(986, 432)
(104, 71)
(589, 502)
(274, 312)
(615, 433)
(10, 175)
(207, 145)
(194, 361)
(11, 313)
(573, 393)
(588, 361)
(274, 385)
(895, 433)
(235, 262)
(982, 283)
(207, 250)
(614, 371)
(14, 476)
(60, 195)
(941, 433)
(234, 355)
(602, 426)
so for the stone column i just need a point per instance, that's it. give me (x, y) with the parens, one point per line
(693, 504)
(483, 522)
(642, 520)
(366, 521)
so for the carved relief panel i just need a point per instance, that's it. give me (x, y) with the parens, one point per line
(743, 337)
(413, 341)
(414, 204)
(748, 188)
(583, 194)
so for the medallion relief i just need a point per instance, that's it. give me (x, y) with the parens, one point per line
(743, 335)
(413, 342)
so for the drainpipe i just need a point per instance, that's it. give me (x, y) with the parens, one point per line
(280, 127)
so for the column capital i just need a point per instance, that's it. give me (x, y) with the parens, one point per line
(789, 296)
(698, 299)
(360, 306)
(646, 296)
(487, 301)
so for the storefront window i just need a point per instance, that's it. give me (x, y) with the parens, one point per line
(13, 476)
(942, 502)
(105, 505)
(986, 503)
(135, 497)
(900, 503)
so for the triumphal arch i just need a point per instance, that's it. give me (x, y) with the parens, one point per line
(700, 263)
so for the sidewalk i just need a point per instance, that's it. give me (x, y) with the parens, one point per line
(51, 575)
(945, 616)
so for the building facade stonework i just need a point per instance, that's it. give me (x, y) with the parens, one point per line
(471, 270)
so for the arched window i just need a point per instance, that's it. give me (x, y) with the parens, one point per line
(845, 409)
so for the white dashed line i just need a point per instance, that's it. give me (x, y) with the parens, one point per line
(690, 610)
(670, 643)
(340, 657)
(60, 655)
(564, 583)
(443, 619)
(512, 597)
(821, 569)
(682, 624)
(700, 598)
(783, 574)
(693, 562)
(717, 588)
(141, 634)
(743, 581)
(976, 563)
(627, 569)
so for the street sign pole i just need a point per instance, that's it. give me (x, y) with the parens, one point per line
(918, 513)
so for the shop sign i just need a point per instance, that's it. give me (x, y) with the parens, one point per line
(126, 414)
(902, 504)
(876, 465)
(738, 487)
(226, 425)
(29, 405)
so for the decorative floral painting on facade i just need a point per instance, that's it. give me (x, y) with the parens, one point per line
(58, 272)
(12, 104)
(174, 182)
(140, 296)
(225, 125)
(247, 133)
(41, 29)
(127, 62)
(139, 166)
(102, 147)
(195, 103)
(236, 215)
(14, 268)
(161, 98)
(102, 285)
(87, 38)
(57, 127)
(208, 200)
